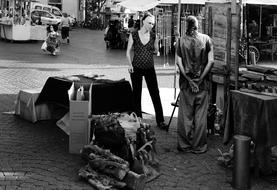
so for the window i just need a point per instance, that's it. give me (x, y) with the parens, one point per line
(35, 13)
(56, 12)
(38, 7)
(45, 14)
(47, 9)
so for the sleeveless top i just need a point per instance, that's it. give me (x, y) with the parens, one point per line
(143, 54)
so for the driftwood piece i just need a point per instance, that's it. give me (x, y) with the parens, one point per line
(252, 72)
(101, 180)
(260, 69)
(253, 77)
(105, 154)
(271, 78)
(114, 169)
(93, 180)
(135, 181)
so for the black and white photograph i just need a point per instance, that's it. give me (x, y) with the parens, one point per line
(138, 94)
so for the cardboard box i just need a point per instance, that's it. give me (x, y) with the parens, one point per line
(78, 119)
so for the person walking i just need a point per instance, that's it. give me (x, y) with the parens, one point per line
(131, 23)
(195, 58)
(145, 44)
(65, 24)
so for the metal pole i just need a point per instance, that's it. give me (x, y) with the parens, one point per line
(260, 28)
(240, 21)
(241, 162)
(177, 35)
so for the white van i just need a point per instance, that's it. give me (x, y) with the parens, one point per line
(52, 9)
(45, 17)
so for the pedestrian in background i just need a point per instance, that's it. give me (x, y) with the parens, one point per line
(131, 23)
(145, 44)
(195, 59)
(65, 24)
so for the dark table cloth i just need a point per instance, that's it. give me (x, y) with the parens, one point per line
(107, 95)
(253, 115)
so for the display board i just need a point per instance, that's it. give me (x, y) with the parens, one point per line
(223, 29)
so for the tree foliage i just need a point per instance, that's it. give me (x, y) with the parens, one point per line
(95, 5)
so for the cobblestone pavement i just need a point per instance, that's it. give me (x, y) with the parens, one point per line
(35, 156)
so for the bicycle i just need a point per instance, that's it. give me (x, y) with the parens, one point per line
(251, 48)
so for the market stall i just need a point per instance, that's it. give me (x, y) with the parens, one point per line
(230, 26)
(248, 108)
(16, 23)
(258, 122)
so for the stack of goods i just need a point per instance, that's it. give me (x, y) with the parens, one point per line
(122, 147)
(107, 171)
(107, 133)
(259, 79)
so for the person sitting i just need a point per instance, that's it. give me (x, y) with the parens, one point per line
(52, 41)
(253, 30)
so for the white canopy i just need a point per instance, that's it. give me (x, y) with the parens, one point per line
(139, 5)
(144, 5)
(198, 2)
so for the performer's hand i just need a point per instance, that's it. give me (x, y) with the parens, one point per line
(131, 69)
(194, 87)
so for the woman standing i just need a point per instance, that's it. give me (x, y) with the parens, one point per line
(145, 44)
(65, 24)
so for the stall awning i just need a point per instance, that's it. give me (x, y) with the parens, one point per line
(139, 5)
(257, 2)
(260, 2)
(144, 5)
(197, 2)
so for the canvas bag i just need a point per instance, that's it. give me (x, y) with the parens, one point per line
(130, 123)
